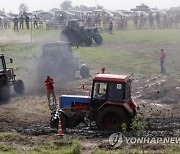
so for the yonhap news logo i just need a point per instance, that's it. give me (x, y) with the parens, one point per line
(116, 140)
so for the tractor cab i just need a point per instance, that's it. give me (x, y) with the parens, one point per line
(7, 79)
(2, 64)
(75, 25)
(113, 88)
(8, 72)
(110, 89)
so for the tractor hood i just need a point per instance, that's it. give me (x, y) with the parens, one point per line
(66, 101)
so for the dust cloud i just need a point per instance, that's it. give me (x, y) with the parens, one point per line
(12, 37)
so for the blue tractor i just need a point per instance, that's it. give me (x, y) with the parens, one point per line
(77, 34)
(109, 106)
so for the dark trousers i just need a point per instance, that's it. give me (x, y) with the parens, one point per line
(21, 25)
(27, 25)
(15, 27)
(163, 71)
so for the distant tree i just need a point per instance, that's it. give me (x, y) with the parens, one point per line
(66, 5)
(81, 8)
(100, 7)
(23, 8)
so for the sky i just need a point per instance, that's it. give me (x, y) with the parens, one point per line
(46, 5)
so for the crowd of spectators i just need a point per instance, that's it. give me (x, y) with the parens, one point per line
(98, 19)
(166, 20)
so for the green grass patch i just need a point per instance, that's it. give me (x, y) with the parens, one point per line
(58, 147)
(13, 143)
(163, 36)
(8, 137)
(117, 60)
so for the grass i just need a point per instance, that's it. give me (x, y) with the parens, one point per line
(13, 143)
(118, 61)
(163, 36)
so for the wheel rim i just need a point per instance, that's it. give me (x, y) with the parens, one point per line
(112, 122)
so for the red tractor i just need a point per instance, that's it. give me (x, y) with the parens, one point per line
(110, 104)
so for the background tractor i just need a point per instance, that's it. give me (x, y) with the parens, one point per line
(110, 104)
(7, 79)
(76, 34)
(57, 60)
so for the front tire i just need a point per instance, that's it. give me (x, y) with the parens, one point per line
(98, 39)
(55, 122)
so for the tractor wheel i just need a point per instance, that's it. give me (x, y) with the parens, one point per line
(98, 39)
(64, 122)
(112, 118)
(63, 36)
(88, 41)
(19, 87)
(5, 93)
(70, 36)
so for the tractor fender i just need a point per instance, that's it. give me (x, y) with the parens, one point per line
(133, 104)
(126, 107)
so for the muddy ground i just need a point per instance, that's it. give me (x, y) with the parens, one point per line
(158, 97)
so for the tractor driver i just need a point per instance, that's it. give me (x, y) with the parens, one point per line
(50, 89)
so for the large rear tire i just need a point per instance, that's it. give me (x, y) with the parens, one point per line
(88, 41)
(111, 118)
(19, 87)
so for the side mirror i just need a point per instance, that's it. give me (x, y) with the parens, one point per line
(11, 60)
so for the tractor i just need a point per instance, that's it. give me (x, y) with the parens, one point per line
(7, 79)
(57, 60)
(76, 34)
(110, 104)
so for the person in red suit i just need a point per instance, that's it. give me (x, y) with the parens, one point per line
(49, 83)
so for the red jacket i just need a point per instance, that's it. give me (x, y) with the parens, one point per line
(49, 83)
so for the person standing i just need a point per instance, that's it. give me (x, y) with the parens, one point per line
(162, 58)
(27, 21)
(110, 26)
(16, 20)
(35, 22)
(50, 89)
(136, 18)
(21, 20)
(158, 20)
